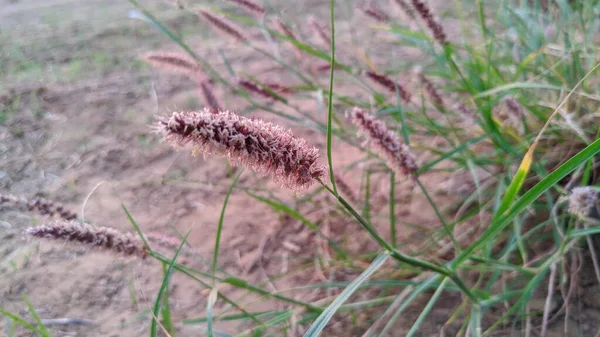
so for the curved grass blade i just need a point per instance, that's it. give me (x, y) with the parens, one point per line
(319, 324)
(163, 287)
(220, 226)
(20, 321)
(42, 328)
(413, 330)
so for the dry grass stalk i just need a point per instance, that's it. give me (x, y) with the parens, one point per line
(375, 13)
(250, 6)
(41, 205)
(320, 30)
(262, 146)
(208, 95)
(389, 84)
(397, 154)
(432, 91)
(176, 62)
(406, 8)
(100, 237)
(223, 25)
(435, 27)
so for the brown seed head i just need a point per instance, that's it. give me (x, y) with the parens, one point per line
(250, 6)
(389, 84)
(262, 146)
(223, 25)
(254, 88)
(41, 205)
(435, 27)
(375, 13)
(94, 236)
(397, 154)
(513, 106)
(176, 62)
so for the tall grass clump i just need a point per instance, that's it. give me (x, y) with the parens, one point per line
(500, 103)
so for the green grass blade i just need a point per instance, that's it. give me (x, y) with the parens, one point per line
(163, 287)
(136, 227)
(425, 313)
(330, 100)
(42, 328)
(20, 321)
(319, 324)
(220, 226)
(210, 304)
(166, 309)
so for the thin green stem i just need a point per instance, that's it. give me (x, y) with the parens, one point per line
(330, 103)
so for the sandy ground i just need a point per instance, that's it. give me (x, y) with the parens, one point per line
(78, 103)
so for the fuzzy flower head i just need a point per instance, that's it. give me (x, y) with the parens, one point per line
(250, 6)
(583, 202)
(40, 205)
(397, 154)
(375, 13)
(390, 85)
(262, 146)
(222, 25)
(99, 237)
(437, 30)
(175, 62)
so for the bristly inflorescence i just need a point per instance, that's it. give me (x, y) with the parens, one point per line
(99, 237)
(262, 146)
(41, 205)
(250, 6)
(435, 27)
(386, 142)
(176, 62)
(223, 25)
(391, 85)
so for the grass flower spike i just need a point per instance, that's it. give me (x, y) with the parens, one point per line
(404, 7)
(176, 62)
(100, 237)
(222, 25)
(375, 13)
(262, 146)
(250, 6)
(390, 85)
(386, 142)
(41, 205)
(435, 27)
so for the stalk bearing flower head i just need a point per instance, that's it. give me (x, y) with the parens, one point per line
(583, 202)
(99, 237)
(262, 146)
(397, 154)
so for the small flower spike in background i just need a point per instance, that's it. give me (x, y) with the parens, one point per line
(320, 30)
(390, 85)
(222, 25)
(99, 237)
(41, 205)
(250, 6)
(435, 27)
(397, 154)
(404, 7)
(262, 146)
(176, 62)
(434, 95)
(375, 13)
